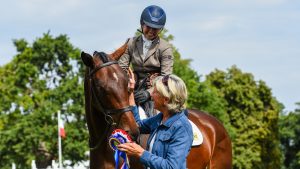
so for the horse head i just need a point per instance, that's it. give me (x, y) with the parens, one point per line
(106, 96)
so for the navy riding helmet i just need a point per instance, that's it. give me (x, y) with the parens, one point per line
(153, 16)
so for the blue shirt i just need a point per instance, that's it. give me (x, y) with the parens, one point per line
(172, 143)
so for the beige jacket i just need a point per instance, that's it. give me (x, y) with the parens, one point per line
(159, 57)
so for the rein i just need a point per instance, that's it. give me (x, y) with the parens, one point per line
(106, 112)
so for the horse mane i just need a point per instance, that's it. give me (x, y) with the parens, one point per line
(102, 56)
(119, 52)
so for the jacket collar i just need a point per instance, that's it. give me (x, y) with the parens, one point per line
(172, 119)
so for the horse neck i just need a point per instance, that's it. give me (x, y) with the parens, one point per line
(102, 156)
(95, 119)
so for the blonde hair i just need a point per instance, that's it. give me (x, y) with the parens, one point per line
(174, 89)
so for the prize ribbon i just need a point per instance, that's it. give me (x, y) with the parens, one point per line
(117, 137)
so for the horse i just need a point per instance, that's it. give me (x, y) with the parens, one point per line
(106, 105)
(107, 108)
(216, 150)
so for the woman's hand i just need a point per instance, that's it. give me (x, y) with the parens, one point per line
(132, 149)
(131, 85)
(131, 82)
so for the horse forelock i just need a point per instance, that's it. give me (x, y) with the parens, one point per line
(102, 56)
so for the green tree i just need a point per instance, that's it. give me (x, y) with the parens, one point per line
(253, 114)
(289, 137)
(40, 80)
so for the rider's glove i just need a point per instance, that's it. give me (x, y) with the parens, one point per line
(141, 96)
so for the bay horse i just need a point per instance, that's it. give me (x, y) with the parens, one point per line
(106, 105)
(107, 108)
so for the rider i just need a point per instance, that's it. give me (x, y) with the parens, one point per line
(149, 55)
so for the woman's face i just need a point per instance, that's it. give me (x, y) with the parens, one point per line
(150, 33)
(158, 99)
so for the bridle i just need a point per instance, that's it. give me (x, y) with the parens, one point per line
(106, 112)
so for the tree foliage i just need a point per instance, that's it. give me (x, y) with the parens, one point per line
(200, 94)
(253, 114)
(289, 138)
(40, 80)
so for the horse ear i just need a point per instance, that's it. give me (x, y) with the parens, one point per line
(87, 59)
(119, 52)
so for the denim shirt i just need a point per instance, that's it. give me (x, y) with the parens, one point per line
(172, 143)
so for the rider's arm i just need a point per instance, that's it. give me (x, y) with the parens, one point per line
(167, 59)
(124, 60)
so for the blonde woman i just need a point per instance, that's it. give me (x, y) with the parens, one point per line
(170, 132)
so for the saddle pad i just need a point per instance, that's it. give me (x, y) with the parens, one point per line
(198, 137)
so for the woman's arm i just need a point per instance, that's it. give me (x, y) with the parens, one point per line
(178, 149)
(131, 85)
(144, 125)
(179, 145)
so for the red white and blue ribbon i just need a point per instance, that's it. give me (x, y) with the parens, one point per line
(117, 137)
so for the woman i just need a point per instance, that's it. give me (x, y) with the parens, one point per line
(170, 132)
(148, 54)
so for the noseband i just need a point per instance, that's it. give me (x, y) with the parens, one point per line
(106, 112)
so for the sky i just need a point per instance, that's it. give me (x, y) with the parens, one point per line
(261, 37)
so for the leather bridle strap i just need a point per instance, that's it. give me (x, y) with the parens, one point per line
(102, 66)
(116, 111)
(107, 112)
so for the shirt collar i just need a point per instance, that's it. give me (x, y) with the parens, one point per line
(155, 41)
(146, 40)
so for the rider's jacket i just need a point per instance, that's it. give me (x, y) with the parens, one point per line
(159, 58)
(173, 140)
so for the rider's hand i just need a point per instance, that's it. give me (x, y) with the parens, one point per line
(141, 96)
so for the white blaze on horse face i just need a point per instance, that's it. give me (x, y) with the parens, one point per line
(115, 76)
